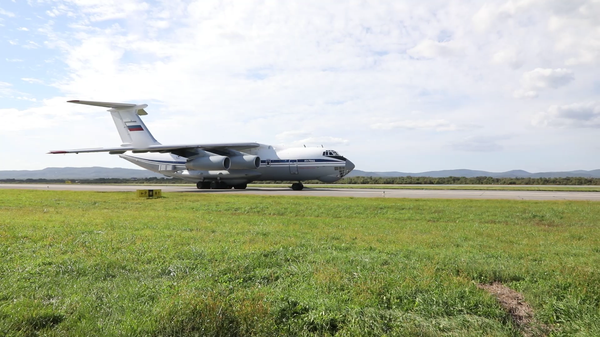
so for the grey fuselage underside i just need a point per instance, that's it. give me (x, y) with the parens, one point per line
(324, 169)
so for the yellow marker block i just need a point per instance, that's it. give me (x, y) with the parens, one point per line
(150, 194)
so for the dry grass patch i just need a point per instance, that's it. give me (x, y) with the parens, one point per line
(519, 310)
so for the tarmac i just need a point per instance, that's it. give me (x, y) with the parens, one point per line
(328, 192)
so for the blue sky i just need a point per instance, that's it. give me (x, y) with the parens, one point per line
(394, 85)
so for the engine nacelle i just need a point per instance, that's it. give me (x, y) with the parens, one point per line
(208, 163)
(245, 162)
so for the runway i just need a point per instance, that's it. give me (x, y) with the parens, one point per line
(327, 192)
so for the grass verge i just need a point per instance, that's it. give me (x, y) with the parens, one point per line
(89, 263)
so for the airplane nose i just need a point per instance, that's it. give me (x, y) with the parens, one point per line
(349, 166)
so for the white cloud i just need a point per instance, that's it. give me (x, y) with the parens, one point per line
(305, 138)
(103, 10)
(32, 80)
(23, 29)
(23, 98)
(575, 25)
(287, 135)
(432, 49)
(576, 115)
(31, 45)
(547, 78)
(509, 56)
(540, 79)
(525, 94)
(570, 28)
(491, 16)
(51, 113)
(6, 89)
(60, 9)
(479, 144)
(326, 141)
(6, 13)
(434, 124)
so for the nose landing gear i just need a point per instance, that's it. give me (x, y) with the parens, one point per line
(297, 186)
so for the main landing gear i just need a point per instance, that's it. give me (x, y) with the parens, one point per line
(205, 185)
(297, 186)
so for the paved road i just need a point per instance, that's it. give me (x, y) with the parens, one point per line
(329, 192)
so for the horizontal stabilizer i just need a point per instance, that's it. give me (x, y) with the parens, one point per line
(111, 105)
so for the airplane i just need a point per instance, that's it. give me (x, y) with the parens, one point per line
(216, 166)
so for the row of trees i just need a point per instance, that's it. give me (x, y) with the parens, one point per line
(351, 180)
(472, 181)
(98, 181)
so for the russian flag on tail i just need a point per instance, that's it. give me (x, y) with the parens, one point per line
(135, 128)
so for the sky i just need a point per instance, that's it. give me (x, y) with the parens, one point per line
(401, 85)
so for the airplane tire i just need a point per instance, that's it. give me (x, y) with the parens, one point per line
(203, 185)
(240, 186)
(297, 186)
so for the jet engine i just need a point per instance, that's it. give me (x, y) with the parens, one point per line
(245, 162)
(208, 163)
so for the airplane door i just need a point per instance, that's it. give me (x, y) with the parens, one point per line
(294, 166)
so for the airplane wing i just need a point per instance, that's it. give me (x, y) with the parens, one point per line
(180, 150)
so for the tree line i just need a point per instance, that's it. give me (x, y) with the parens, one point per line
(471, 181)
(408, 180)
(152, 180)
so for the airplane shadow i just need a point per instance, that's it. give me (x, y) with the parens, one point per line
(254, 190)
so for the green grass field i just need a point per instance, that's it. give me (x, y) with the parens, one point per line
(109, 264)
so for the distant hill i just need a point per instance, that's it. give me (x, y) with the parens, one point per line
(78, 173)
(123, 173)
(474, 173)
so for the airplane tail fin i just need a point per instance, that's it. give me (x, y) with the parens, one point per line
(127, 119)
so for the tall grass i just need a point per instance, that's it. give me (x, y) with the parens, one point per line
(88, 263)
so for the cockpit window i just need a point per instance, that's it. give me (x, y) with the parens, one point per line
(333, 154)
(330, 153)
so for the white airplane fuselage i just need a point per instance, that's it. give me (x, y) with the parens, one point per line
(288, 164)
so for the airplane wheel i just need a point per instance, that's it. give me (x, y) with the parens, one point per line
(297, 186)
(240, 186)
(203, 185)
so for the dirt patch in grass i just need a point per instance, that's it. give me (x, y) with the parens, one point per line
(520, 311)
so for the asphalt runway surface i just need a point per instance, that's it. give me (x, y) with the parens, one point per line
(328, 192)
